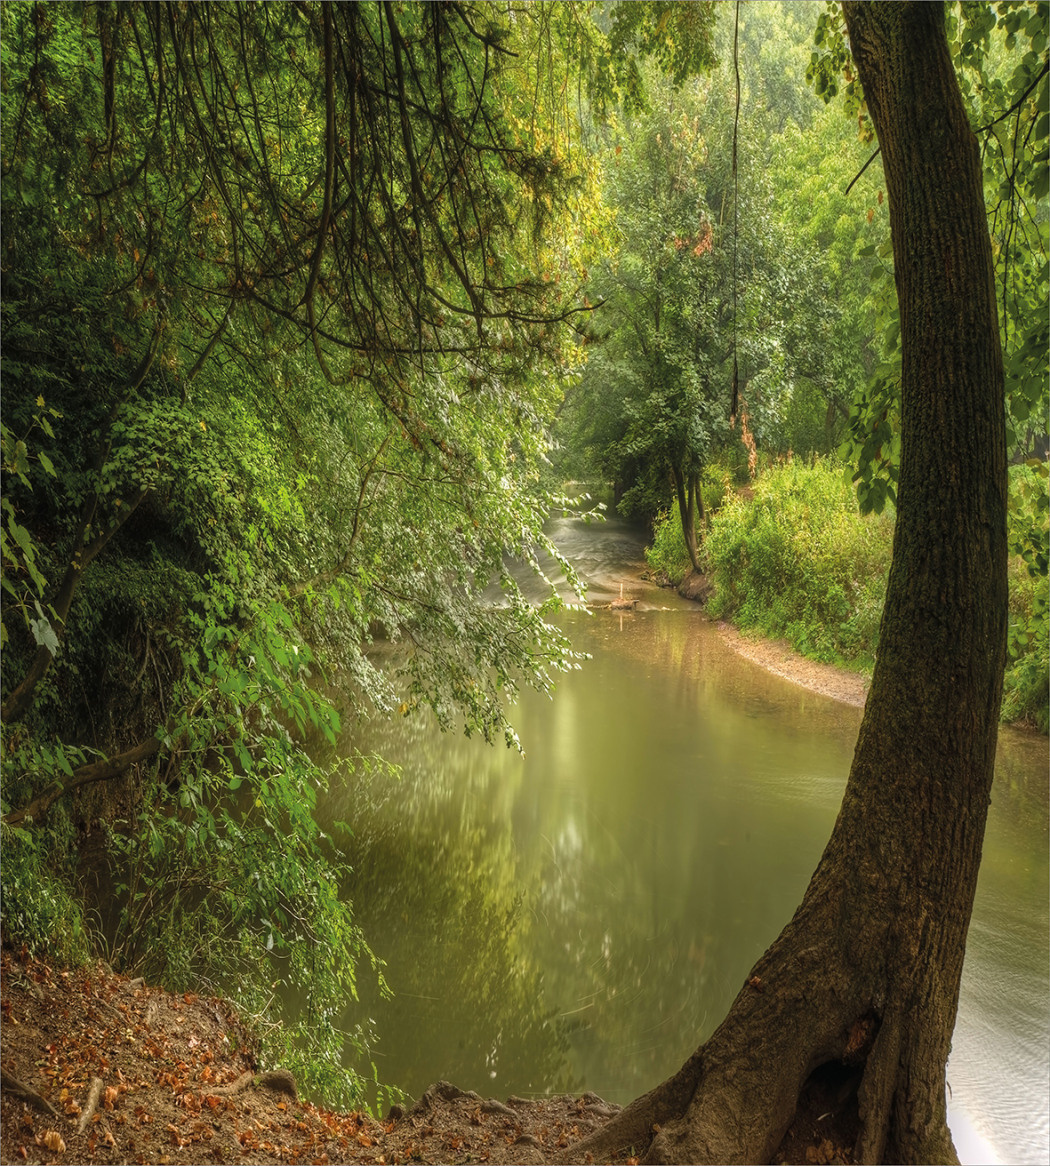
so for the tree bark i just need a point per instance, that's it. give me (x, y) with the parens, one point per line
(863, 983)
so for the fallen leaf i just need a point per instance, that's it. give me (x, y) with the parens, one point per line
(54, 1141)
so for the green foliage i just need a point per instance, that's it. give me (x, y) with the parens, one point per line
(678, 36)
(298, 285)
(20, 575)
(242, 893)
(223, 876)
(40, 907)
(1026, 694)
(702, 269)
(648, 405)
(668, 551)
(1000, 53)
(797, 560)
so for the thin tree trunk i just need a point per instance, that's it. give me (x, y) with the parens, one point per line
(863, 983)
(687, 493)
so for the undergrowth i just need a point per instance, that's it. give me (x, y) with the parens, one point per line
(39, 907)
(797, 560)
(1026, 686)
(792, 557)
(668, 553)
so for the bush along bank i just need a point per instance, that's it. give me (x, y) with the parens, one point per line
(792, 557)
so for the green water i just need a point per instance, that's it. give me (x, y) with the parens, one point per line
(582, 918)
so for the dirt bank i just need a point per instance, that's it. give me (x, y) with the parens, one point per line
(99, 1068)
(778, 657)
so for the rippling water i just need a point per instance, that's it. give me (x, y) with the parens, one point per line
(582, 918)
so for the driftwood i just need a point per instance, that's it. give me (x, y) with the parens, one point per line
(88, 1112)
(30, 1096)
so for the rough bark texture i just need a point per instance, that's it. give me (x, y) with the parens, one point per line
(863, 983)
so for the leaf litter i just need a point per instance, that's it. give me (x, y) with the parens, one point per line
(180, 1083)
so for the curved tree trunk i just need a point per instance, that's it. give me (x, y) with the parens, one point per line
(863, 983)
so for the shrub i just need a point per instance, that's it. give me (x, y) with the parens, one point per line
(1026, 685)
(39, 907)
(668, 553)
(794, 558)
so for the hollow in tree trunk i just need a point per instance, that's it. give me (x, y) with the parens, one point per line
(862, 986)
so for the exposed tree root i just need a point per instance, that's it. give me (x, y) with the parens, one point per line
(276, 1080)
(804, 1059)
(27, 1094)
(630, 1133)
(88, 1112)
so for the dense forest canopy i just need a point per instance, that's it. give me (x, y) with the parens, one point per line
(308, 311)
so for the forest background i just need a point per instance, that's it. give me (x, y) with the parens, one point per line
(309, 314)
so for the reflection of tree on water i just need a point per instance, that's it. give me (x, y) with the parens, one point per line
(440, 903)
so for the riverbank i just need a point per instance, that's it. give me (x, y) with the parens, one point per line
(99, 1068)
(778, 657)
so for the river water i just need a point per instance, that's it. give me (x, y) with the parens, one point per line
(583, 917)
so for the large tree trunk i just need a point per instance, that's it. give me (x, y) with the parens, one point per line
(863, 983)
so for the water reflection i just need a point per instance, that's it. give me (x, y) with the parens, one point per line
(581, 918)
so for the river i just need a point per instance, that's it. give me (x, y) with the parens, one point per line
(583, 917)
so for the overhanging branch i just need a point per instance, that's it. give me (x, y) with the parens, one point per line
(95, 771)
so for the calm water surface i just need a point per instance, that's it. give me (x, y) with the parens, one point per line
(583, 917)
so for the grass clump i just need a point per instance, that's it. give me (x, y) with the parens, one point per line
(794, 557)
